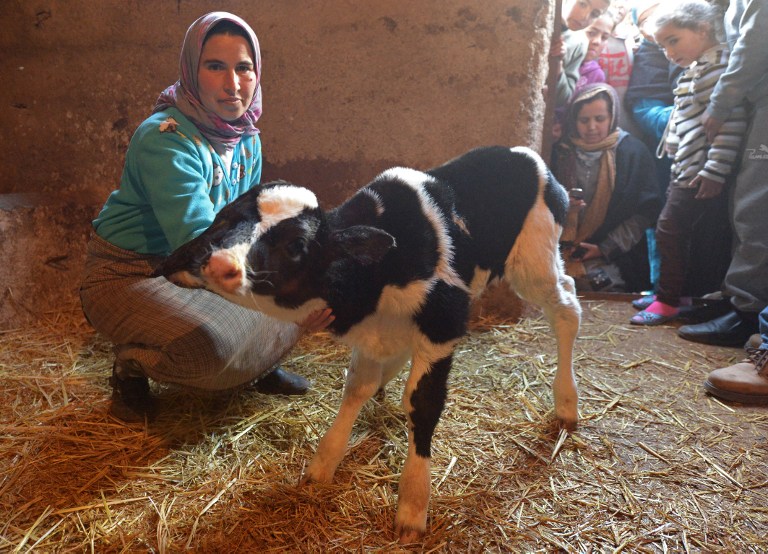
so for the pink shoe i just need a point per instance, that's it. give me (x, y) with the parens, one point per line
(656, 314)
(650, 319)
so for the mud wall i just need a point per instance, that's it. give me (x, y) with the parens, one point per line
(351, 87)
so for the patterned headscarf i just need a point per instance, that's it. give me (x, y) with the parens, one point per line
(587, 94)
(184, 93)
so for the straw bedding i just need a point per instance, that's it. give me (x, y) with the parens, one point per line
(655, 466)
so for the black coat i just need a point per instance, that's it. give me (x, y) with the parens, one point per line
(635, 192)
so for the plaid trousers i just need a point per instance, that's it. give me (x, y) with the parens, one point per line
(189, 337)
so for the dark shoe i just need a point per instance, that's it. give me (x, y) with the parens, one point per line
(704, 309)
(731, 329)
(280, 381)
(132, 401)
(745, 382)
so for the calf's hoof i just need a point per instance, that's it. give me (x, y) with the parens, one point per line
(410, 524)
(409, 535)
(569, 425)
(313, 476)
(567, 414)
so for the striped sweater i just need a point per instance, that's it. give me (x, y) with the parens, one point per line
(685, 138)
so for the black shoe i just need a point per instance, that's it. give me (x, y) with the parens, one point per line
(731, 329)
(279, 381)
(132, 401)
(703, 310)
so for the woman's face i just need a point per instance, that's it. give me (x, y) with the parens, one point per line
(226, 76)
(593, 121)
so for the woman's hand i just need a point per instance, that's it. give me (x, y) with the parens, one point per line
(707, 188)
(577, 203)
(317, 320)
(587, 251)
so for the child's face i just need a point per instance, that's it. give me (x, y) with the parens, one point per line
(683, 46)
(597, 35)
(578, 14)
(643, 24)
(593, 121)
(619, 9)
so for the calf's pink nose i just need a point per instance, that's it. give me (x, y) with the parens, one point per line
(225, 270)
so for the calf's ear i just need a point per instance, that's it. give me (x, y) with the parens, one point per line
(365, 244)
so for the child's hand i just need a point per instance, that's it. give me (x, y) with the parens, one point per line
(707, 188)
(557, 48)
(711, 126)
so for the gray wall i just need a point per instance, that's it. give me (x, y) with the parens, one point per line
(351, 87)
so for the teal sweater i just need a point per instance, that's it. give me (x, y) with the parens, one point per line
(173, 185)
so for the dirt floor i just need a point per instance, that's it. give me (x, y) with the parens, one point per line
(656, 465)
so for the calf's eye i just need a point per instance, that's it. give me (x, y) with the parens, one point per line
(296, 247)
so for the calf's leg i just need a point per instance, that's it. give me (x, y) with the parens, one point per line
(423, 401)
(535, 271)
(364, 378)
(563, 312)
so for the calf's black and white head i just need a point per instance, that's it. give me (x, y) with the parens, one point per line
(269, 250)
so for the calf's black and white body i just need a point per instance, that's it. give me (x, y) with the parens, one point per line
(399, 263)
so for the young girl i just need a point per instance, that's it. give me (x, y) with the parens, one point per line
(198, 151)
(598, 34)
(604, 237)
(572, 46)
(686, 33)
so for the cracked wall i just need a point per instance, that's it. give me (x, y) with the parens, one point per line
(350, 88)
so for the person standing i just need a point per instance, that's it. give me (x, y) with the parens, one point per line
(746, 77)
(686, 31)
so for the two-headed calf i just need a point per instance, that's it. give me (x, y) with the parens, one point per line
(398, 263)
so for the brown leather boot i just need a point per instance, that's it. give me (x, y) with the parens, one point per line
(745, 382)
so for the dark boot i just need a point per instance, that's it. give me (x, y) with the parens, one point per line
(731, 329)
(280, 381)
(132, 401)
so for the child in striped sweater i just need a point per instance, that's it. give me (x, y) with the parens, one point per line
(686, 32)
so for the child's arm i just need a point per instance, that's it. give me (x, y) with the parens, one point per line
(574, 53)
